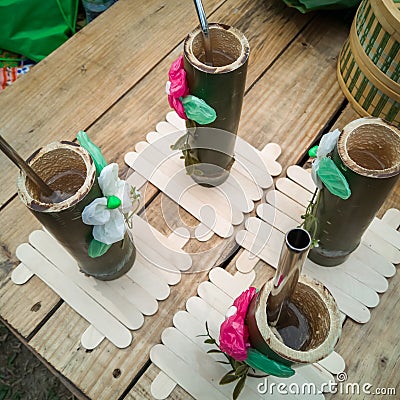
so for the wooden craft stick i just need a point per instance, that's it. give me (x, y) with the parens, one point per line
(365, 274)
(316, 374)
(346, 283)
(270, 153)
(162, 386)
(104, 293)
(136, 180)
(214, 297)
(294, 191)
(21, 274)
(202, 364)
(201, 311)
(233, 286)
(174, 119)
(247, 155)
(249, 186)
(76, 298)
(333, 363)
(148, 280)
(275, 217)
(386, 232)
(374, 260)
(167, 276)
(246, 262)
(166, 128)
(180, 236)
(91, 338)
(301, 177)
(202, 233)
(381, 246)
(285, 204)
(392, 218)
(182, 374)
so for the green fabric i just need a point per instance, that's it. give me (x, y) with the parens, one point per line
(198, 110)
(113, 202)
(94, 151)
(97, 249)
(35, 28)
(310, 5)
(260, 361)
(333, 179)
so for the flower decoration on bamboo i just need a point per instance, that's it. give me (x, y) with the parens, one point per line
(112, 213)
(234, 344)
(325, 173)
(188, 107)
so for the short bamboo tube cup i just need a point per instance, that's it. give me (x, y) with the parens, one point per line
(222, 87)
(319, 307)
(63, 220)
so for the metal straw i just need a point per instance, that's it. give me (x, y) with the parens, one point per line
(206, 32)
(21, 164)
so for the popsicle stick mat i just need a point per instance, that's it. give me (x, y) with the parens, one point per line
(113, 308)
(183, 359)
(218, 209)
(355, 284)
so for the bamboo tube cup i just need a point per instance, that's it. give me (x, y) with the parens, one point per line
(319, 307)
(368, 155)
(63, 220)
(222, 87)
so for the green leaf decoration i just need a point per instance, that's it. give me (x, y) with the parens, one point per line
(181, 143)
(97, 249)
(210, 341)
(241, 370)
(260, 361)
(214, 351)
(333, 179)
(198, 110)
(94, 151)
(228, 378)
(239, 387)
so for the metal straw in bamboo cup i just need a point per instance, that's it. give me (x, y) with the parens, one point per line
(368, 155)
(76, 174)
(311, 298)
(221, 86)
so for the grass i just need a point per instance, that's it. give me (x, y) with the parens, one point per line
(23, 376)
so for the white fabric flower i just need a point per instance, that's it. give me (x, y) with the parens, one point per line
(109, 223)
(326, 145)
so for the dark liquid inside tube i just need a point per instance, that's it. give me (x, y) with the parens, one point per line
(293, 327)
(64, 185)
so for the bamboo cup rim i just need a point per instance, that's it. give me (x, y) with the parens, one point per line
(82, 155)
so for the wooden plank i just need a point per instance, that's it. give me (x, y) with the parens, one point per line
(56, 100)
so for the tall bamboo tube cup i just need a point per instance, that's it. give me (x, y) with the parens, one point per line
(63, 220)
(368, 155)
(222, 87)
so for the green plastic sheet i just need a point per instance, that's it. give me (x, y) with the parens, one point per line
(310, 5)
(35, 28)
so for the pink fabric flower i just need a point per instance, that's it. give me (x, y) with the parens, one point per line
(178, 86)
(177, 105)
(234, 333)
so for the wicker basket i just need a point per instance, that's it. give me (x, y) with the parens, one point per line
(369, 63)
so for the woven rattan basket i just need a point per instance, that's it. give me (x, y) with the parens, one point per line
(369, 63)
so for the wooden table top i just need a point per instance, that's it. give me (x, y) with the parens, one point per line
(109, 80)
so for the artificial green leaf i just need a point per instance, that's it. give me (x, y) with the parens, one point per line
(94, 151)
(239, 387)
(214, 351)
(210, 341)
(228, 378)
(333, 179)
(180, 143)
(97, 249)
(198, 110)
(241, 370)
(260, 361)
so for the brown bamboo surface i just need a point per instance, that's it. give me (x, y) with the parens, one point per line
(109, 79)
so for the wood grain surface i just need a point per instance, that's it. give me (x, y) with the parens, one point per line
(109, 79)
